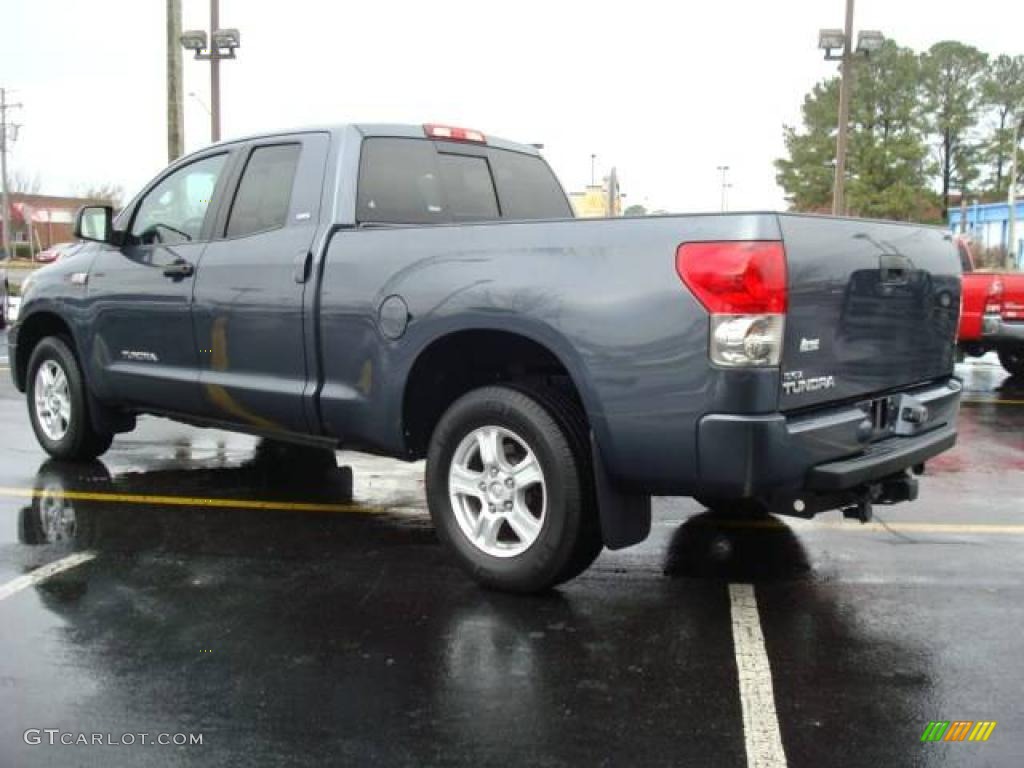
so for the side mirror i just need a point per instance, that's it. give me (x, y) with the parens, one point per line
(95, 222)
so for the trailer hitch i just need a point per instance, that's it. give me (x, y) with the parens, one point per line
(855, 503)
(894, 489)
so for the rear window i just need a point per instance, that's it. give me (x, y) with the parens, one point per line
(527, 188)
(409, 181)
(399, 183)
(469, 188)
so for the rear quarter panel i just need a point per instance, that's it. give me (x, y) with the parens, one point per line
(602, 295)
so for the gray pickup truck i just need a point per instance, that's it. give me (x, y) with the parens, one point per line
(424, 291)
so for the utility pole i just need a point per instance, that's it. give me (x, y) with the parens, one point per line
(610, 208)
(724, 169)
(845, 85)
(175, 107)
(8, 133)
(1011, 197)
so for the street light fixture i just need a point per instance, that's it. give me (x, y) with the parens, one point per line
(869, 41)
(222, 45)
(193, 40)
(227, 39)
(829, 40)
(841, 40)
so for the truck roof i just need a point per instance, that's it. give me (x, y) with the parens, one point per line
(395, 130)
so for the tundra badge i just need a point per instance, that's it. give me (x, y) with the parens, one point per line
(794, 383)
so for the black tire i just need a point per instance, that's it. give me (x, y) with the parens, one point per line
(1012, 359)
(569, 538)
(80, 441)
(3, 304)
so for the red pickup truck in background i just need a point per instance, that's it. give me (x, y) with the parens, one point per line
(992, 317)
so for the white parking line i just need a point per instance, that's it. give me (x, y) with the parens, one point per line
(44, 572)
(760, 723)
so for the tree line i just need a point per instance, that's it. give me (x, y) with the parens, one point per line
(923, 127)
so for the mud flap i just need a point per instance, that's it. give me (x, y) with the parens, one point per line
(625, 518)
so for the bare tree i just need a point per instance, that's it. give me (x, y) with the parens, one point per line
(104, 193)
(23, 184)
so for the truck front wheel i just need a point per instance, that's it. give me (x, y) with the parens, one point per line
(57, 404)
(1012, 359)
(510, 489)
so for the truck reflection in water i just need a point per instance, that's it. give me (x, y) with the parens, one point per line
(82, 506)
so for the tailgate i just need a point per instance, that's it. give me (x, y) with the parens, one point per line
(872, 307)
(1013, 296)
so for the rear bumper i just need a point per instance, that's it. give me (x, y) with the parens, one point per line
(995, 330)
(824, 451)
(881, 460)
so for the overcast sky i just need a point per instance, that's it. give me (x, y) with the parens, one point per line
(665, 91)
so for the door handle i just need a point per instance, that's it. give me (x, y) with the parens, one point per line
(179, 270)
(303, 267)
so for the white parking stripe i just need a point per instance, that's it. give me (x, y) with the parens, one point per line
(44, 572)
(760, 723)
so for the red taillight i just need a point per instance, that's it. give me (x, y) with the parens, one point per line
(742, 277)
(994, 299)
(451, 133)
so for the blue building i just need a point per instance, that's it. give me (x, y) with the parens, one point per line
(988, 224)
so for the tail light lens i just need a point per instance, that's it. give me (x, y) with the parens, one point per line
(743, 286)
(994, 299)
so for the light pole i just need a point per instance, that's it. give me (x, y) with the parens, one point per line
(831, 40)
(724, 169)
(221, 40)
(593, 160)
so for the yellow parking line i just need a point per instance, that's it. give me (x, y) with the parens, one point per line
(950, 528)
(189, 501)
(850, 527)
(984, 401)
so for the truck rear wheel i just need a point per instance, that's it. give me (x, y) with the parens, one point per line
(57, 404)
(510, 490)
(1012, 359)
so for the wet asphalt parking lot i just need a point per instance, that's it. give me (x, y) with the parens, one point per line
(214, 584)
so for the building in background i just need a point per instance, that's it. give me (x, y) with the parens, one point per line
(39, 221)
(988, 226)
(593, 202)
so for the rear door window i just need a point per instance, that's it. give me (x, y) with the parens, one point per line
(265, 191)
